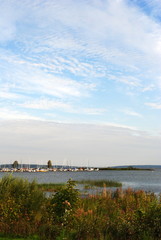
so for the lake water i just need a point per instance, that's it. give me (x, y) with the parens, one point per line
(145, 180)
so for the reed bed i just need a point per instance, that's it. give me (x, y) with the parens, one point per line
(51, 187)
(100, 183)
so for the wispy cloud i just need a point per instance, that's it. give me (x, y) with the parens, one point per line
(93, 111)
(128, 80)
(7, 114)
(49, 104)
(71, 55)
(148, 88)
(46, 104)
(132, 113)
(8, 95)
(31, 77)
(154, 105)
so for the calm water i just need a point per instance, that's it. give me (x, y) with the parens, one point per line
(146, 180)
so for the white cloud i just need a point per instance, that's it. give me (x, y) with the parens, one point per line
(154, 105)
(72, 50)
(120, 126)
(148, 88)
(49, 104)
(30, 78)
(8, 95)
(46, 104)
(118, 27)
(128, 80)
(132, 113)
(92, 111)
(121, 34)
(7, 22)
(7, 114)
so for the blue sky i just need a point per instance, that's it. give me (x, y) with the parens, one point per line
(93, 63)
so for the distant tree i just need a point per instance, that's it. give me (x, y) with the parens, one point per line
(49, 164)
(130, 167)
(15, 164)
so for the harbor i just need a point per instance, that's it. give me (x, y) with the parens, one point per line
(54, 169)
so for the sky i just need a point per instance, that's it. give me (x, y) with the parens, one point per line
(80, 82)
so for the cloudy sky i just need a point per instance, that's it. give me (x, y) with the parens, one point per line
(80, 81)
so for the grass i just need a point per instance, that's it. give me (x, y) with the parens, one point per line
(100, 183)
(13, 238)
(1, 238)
(51, 187)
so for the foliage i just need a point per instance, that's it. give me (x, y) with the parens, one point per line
(49, 164)
(65, 201)
(61, 208)
(15, 164)
(28, 238)
(112, 215)
(20, 205)
(120, 215)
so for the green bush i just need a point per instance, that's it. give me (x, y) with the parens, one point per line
(60, 213)
(64, 202)
(21, 204)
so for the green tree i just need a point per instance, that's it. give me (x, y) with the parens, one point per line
(49, 164)
(15, 164)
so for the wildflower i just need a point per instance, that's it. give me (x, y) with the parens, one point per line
(67, 203)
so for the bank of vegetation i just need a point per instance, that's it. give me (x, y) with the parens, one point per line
(129, 168)
(26, 212)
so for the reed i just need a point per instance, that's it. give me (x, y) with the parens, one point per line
(100, 183)
(51, 187)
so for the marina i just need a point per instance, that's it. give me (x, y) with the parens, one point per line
(55, 169)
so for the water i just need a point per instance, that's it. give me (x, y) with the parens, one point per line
(145, 180)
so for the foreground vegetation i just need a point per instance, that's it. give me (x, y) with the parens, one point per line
(26, 212)
(11, 238)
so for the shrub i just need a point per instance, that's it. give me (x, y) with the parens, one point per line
(20, 206)
(59, 217)
(64, 202)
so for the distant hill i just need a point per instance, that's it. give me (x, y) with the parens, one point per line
(139, 166)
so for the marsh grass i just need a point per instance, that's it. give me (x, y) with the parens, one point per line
(99, 183)
(51, 187)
